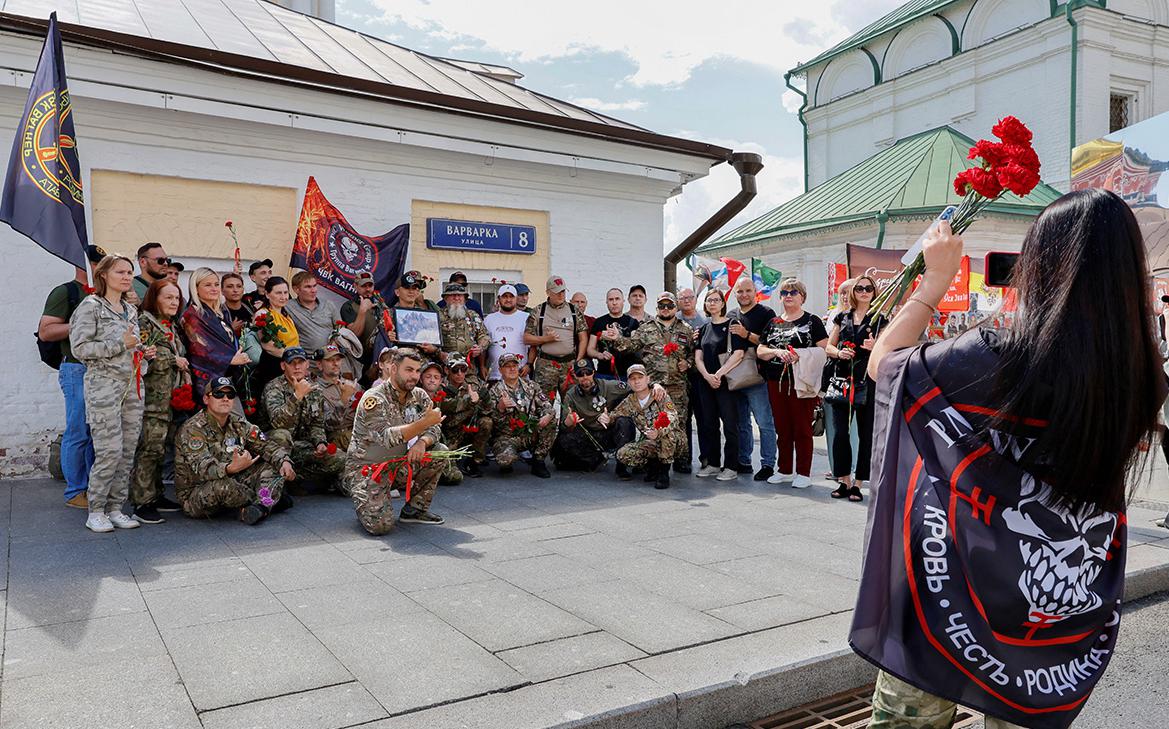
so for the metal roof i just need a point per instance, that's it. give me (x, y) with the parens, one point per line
(261, 37)
(913, 176)
(903, 15)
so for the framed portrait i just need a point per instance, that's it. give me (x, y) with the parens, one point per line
(417, 326)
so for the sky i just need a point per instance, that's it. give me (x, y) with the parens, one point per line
(700, 70)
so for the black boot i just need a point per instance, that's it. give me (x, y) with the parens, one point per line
(651, 471)
(622, 472)
(471, 469)
(540, 469)
(682, 466)
(284, 504)
(663, 479)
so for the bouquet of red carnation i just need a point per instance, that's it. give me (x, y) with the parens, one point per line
(250, 406)
(331, 449)
(470, 428)
(1010, 164)
(438, 397)
(670, 348)
(338, 324)
(662, 421)
(267, 329)
(182, 399)
(521, 424)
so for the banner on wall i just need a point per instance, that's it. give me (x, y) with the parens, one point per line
(957, 298)
(883, 264)
(837, 274)
(328, 246)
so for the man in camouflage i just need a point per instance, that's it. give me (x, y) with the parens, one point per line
(463, 334)
(395, 419)
(224, 462)
(523, 418)
(557, 336)
(430, 378)
(655, 444)
(295, 408)
(666, 347)
(467, 420)
(341, 396)
(588, 431)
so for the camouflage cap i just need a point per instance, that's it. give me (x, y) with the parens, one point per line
(331, 350)
(362, 277)
(636, 369)
(508, 358)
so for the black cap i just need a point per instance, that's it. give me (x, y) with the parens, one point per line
(258, 264)
(294, 353)
(458, 277)
(95, 253)
(583, 367)
(413, 278)
(177, 265)
(637, 287)
(221, 384)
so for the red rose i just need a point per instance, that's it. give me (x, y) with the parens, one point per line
(1011, 130)
(984, 182)
(992, 153)
(662, 421)
(331, 448)
(670, 348)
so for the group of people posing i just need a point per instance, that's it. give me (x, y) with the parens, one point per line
(296, 394)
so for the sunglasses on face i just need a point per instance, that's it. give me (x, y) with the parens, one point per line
(789, 292)
(864, 289)
(161, 261)
(223, 395)
(666, 305)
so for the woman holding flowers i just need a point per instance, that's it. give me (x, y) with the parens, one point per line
(166, 381)
(275, 331)
(850, 391)
(212, 347)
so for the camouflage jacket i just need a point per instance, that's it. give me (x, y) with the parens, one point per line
(377, 425)
(643, 418)
(459, 335)
(650, 339)
(304, 419)
(589, 405)
(456, 405)
(163, 375)
(338, 409)
(203, 450)
(527, 398)
(95, 336)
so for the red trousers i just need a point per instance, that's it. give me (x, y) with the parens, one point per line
(793, 427)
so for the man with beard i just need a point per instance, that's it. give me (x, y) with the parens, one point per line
(656, 437)
(153, 265)
(395, 419)
(611, 363)
(506, 330)
(295, 408)
(522, 292)
(524, 419)
(463, 334)
(340, 394)
(467, 420)
(363, 315)
(461, 278)
(556, 336)
(666, 346)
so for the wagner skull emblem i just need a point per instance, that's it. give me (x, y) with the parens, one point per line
(1063, 553)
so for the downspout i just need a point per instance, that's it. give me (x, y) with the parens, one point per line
(1071, 5)
(787, 81)
(747, 164)
(882, 218)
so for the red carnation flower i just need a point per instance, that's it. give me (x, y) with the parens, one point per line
(227, 224)
(438, 396)
(1017, 178)
(662, 421)
(470, 429)
(984, 182)
(331, 449)
(1011, 130)
(339, 323)
(365, 470)
(670, 348)
(991, 153)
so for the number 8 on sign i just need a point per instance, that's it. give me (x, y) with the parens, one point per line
(523, 239)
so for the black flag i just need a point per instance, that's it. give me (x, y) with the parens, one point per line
(42, 192)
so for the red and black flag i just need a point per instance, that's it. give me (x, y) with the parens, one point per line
(977, 586)
(43, 196)
(328, 247)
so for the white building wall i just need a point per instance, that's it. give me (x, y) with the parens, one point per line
(606, 228)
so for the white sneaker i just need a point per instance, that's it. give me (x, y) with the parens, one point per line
(778, 477)
(98, 522)
(121, 521)
(801, 482)
(727, 474)
(706, 472)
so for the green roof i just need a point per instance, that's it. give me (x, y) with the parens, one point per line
(914, 176)
(903, 15)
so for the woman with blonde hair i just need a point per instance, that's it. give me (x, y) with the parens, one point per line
(212, 346)
(103, 334)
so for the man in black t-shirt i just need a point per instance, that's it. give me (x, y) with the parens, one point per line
(748, 323)
(611, 364)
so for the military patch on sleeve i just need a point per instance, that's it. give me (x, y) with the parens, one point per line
(195, 444)
(670, 406)
(370, 403)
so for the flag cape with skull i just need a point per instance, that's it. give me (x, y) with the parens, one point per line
(975, 588)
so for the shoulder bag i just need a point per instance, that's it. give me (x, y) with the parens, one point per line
(746, 373)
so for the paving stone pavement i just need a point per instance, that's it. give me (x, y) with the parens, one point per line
(577, 601)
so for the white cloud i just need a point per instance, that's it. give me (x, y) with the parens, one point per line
(666, 42)
(598, 105)
(792, 101)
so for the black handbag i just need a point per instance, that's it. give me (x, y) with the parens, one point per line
(847, 391)
(818, 421)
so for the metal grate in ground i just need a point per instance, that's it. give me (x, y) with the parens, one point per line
(847, 710)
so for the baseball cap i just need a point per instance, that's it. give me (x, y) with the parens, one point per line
(362, 277)
(221, 384)
(459, 277)
(635, 370)
(385, 350)
(521, 289)
(413, 278)
(259, 264)
(430, 363)
(95, 253)
(331, 350)
(555, 285)
(506, 289)
(667, 296)
(508, 358)
(294, 353)
(583, 367)
(177, 265)
(455, 363)
(454, 288)
(636, 287)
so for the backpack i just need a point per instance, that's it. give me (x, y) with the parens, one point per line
(544, 310)
(51, 353)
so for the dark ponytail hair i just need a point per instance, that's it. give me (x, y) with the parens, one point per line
(1081, 353)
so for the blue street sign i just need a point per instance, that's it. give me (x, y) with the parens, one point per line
(467, 235)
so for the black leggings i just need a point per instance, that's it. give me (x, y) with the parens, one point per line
(717, 406)
(841, 444)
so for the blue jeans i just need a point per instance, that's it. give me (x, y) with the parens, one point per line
(753, 402)
(76, 444)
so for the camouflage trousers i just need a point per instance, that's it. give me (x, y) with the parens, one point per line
(342, 437)
(203, 499)
(323, 470)
(457, 437)
(638, 453)
(680, 394)
(550, 375)
(114, 414)
(158, 432)
(507, 448)
(375, 508)
(897, 705)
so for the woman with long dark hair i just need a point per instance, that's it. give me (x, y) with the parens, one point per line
(283, 336)
(716, 399)
(997, 544)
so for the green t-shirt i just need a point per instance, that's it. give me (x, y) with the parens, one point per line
(57, 305)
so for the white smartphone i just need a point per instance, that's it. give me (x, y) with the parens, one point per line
(916, 247)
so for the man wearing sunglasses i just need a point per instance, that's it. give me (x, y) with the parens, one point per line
(666, 346)
(154, 264)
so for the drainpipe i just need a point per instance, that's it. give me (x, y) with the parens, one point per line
(747, 164)
(882, 218)
(1071, 5)
(787, 81)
